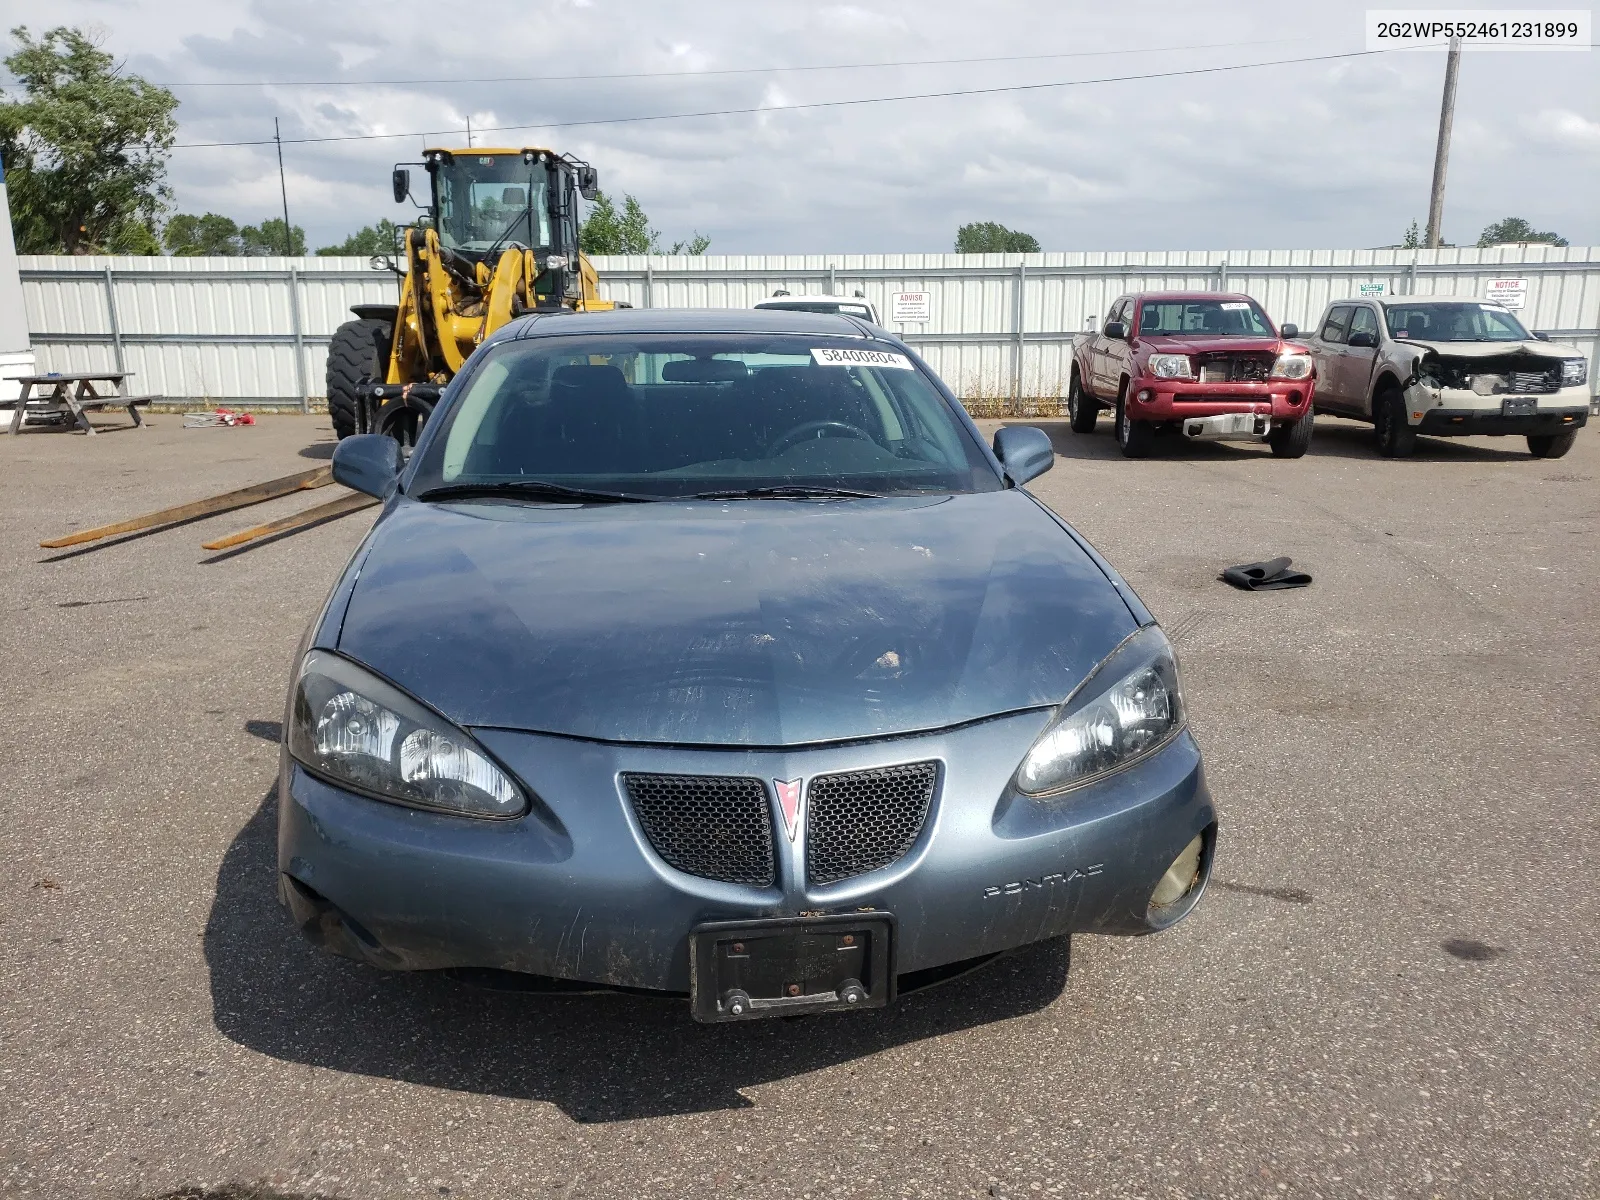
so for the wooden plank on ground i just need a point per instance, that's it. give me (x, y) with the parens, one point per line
(256, 493)
(343, 506)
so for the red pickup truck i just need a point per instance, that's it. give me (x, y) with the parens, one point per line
(1210, 364)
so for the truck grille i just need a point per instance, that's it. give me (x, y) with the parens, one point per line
(1234, 368)
(861, 821)
(713, 826)
(1536, 382)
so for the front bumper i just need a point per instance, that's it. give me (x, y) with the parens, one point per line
(1462, 422)
(574, 891)
(1164, 400)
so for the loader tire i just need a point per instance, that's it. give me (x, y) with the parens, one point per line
(358, 353)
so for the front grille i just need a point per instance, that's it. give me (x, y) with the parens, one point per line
(861, 821)
(1536, 382)
(1234, 368)
(1221, 397)
(714, 826)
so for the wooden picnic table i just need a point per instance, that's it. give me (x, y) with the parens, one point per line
(76, 392)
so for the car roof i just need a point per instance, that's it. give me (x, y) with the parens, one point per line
(1413, 301)
(780, 301)
(1189, 296)
(688, 320)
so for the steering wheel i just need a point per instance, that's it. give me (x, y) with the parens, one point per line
(802, 431)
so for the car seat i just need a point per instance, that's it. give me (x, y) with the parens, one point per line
(589, 425)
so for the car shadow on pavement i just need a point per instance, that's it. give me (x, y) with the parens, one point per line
(1102, 444)
(1338, 438)
(598, 1058)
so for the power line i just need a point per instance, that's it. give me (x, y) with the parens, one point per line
(868, 66)
(814, 104)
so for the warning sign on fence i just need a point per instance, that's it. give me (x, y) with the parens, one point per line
(911, 308)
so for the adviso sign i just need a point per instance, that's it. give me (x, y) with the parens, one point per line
(1513, 293)
(911, 308)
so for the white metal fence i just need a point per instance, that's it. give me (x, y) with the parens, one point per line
(1000, 329)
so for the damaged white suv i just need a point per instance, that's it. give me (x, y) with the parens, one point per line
(1448, 366)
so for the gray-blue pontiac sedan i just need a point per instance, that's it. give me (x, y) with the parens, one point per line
(714, 653)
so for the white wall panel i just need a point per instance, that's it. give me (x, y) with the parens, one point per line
(219, 329)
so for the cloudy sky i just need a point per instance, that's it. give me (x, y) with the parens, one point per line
(1330, 153)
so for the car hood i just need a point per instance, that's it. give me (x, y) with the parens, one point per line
(1191, 344)
(1534, 347)
(763, 623)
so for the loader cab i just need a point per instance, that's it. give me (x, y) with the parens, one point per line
(487, 201)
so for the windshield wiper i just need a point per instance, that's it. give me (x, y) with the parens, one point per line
(788, 491)
(519, 489)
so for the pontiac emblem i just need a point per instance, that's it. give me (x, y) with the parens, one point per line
(789, 802)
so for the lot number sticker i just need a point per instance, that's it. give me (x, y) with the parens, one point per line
(911, 308)
(828, 356)
(1513, 293)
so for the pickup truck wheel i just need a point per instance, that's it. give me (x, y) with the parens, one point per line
(1081, 407)
(1291, 439)
(1137, 438)
(1551, 445)
(1396, 439)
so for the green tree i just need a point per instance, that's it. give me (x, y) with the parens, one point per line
(367, 241)
(608, 231)
(1413, 238)
(990, 237)
(267, 238)
(1515, 229)
(187, 235)
(85, 148)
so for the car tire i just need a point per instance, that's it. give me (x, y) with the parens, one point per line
(1137, 438)
(354, 357)
(1551, 445)
(1082, 410)
(1292, 439)
(1396, 438)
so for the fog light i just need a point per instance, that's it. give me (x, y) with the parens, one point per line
(1144, 393)
(1180, 878)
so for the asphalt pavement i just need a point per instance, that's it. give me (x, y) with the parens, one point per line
(1391, 989)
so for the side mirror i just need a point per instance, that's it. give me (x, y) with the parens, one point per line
(1116, 331)
(1290, 330)
(368, 462)
(588, 182)
(1543, 337)
(1024, 451)
(402, 185)
(1362, 340)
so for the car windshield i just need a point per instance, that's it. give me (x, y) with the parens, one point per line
(662, 416)
(1210, 318)
(1458, 322)
(487, 198)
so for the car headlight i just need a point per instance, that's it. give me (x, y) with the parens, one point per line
(1574, 371)
(357, 729)
(1130, 706)
(1171, 366)
(1292, 366)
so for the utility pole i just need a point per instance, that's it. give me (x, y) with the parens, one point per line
(283, 190)
(469, 132)
(1441, 154)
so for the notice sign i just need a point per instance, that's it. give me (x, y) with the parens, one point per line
(911, 308)
(1372, 289)
(1513, 293)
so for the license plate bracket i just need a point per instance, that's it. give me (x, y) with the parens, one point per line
(746, 970)
(1519, 406)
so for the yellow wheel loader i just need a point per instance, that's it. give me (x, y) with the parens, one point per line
(499, 239)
